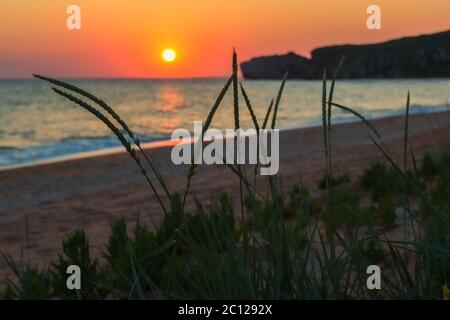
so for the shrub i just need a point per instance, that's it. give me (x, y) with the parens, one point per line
(382, 181)
(428, 168)
(333, 181)
(75, 249)
(30, 284)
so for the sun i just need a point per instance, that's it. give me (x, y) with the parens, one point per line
(169, 55)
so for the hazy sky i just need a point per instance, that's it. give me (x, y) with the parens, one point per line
(125, 38)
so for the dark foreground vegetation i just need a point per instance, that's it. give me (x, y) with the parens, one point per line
(284, 245)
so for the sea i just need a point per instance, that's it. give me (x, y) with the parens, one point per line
(38, 125)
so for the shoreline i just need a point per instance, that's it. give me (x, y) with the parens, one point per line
(162, 143)
(41, 204)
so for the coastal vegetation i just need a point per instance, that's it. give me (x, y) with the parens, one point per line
(270, 243)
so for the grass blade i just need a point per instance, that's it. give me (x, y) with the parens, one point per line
(405, 142)
(266, 118)
(277, 101)
(205, 127)
(117, 133)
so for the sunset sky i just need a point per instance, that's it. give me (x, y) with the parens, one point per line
(126, 38)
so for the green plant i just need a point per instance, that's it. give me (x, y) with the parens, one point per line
(76, 251)
(285, 245)
(429, 167)
(333, 181)
(381, 180)
(30, 283)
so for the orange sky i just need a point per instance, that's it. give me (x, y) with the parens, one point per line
(125, 38)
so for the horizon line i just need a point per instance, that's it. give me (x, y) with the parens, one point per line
(117, 78)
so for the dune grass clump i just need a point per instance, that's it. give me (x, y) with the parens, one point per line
(333, 181)
(380, 180)
(287, 244)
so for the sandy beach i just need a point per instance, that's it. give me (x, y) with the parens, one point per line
(90, 193)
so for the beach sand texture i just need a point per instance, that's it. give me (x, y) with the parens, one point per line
(90, 193)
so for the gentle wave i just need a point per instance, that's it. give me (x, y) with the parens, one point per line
(68, 146)
(340, 116)
(36, 124)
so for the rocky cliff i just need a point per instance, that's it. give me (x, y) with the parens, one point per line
(413, 57)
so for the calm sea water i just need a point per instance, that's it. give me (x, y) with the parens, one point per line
(36, 124)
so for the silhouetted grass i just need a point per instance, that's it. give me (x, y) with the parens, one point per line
(287, 245)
